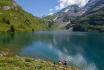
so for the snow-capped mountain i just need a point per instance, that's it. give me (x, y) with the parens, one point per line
(72, 12)
(68, 13)
(93, 5)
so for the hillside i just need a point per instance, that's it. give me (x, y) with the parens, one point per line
(94, 21)
(14, 18)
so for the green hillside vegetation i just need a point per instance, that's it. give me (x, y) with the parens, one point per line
(14, 18)
(93, 21)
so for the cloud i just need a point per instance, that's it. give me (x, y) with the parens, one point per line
(50, 13)
(64, 3)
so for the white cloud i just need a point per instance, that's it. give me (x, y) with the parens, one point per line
(64, 3)
(50, 13)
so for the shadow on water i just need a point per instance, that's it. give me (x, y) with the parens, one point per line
(84, 50)
(12, 43)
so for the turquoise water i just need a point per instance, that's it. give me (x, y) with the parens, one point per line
(82, 49)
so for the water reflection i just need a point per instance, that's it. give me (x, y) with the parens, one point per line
(12, 43)
(84, 50)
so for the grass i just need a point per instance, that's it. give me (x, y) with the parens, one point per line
(19, 19)
(22, 63)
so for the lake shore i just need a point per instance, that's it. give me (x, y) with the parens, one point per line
(23, 63)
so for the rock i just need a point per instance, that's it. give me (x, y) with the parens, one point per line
(2, 53)
(6, 7)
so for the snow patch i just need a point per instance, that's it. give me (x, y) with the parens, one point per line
(66, 10)
(55, 18)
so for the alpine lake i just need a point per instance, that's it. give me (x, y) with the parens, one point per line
(82, 49)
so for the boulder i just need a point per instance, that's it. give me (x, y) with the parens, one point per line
(6, 7)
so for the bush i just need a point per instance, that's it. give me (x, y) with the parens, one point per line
(7, 22)
(12, 29)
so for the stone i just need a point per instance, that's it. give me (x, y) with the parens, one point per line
(6, 7)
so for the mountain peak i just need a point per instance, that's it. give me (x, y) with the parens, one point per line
(71, 8)
(93, 5)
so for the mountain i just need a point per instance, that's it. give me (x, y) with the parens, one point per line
(93, 18)
(93, 21)
(14, 18)
(64, 16)
(93, 5)
(87, 18)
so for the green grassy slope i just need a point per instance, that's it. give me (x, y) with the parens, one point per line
(14, 17)
(21, 63)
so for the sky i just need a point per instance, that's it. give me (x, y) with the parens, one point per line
(38, 7)
(47, 7)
